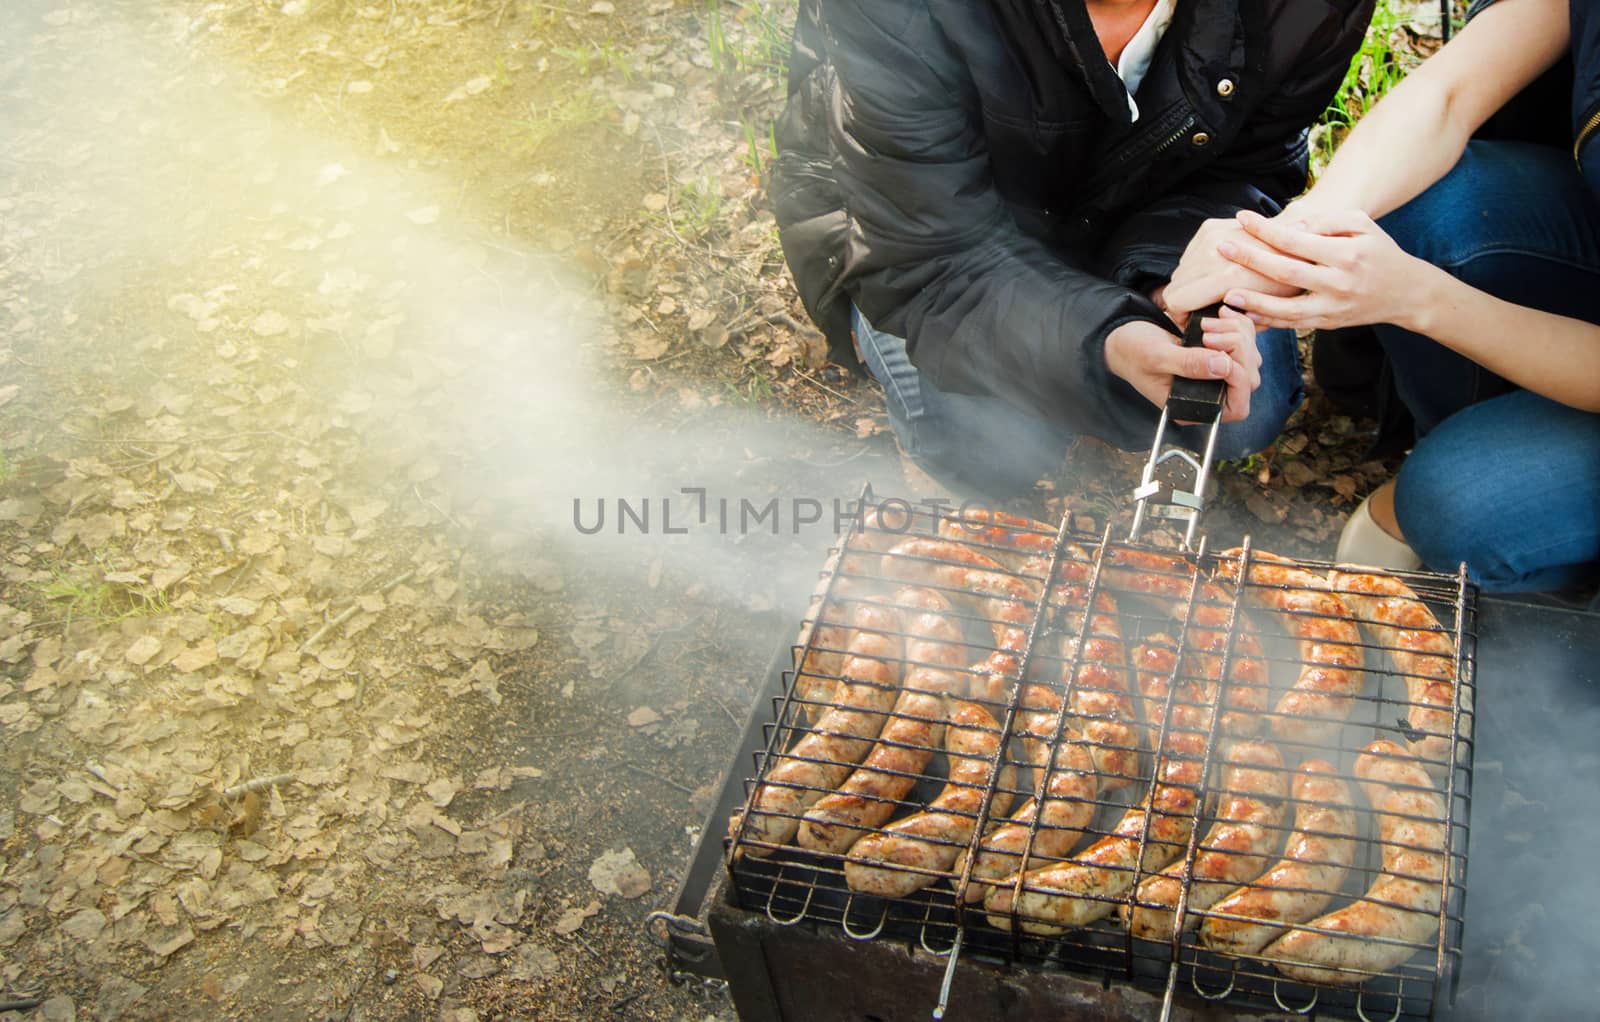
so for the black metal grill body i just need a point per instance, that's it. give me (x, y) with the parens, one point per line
(814, 968)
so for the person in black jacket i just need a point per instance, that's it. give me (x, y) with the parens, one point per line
(990, 195)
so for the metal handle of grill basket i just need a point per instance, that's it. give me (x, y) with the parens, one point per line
(1196, 400)
(1189, 401)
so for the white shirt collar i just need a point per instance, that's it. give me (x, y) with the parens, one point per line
(1141, 49)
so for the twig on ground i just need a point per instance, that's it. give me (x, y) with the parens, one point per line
(847, 459)
(21, 1004)
(239, 574)
(100, 774)
(824, 387)
(350, 612)
(338, 619)
(587, 946)
(731, 717)
(256, 784)
(618, 1005)
(447, 516)
(350, 1010)
(669, 782)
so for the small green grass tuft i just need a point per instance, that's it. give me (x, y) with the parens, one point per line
(1376, 68)
(757, 390)
(92, 597)
(696, 205)
(750, 38)
(543, 123)
(597, 58)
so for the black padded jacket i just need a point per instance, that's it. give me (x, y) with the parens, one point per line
(967, 173)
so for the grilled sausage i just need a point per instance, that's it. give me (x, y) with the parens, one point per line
(1171, 579)
(913, 853)
(1402, 905)
(1299, 885)
(1421, 650)
(1156, 665)
(1085, 888)
(1102, 723)
(1323, 696)
(822, 758)
(915, 727)
(1004, 598)
(1066, 791)
(825, 630)
(998, 529)
(1233, 851)
(1102, 712)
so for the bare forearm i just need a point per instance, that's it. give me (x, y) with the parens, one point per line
(1417, 132)
(1550, 355)
(1365, 174)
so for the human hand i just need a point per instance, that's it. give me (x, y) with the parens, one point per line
(1203, 275)
(1148, 357)
(1342, 268)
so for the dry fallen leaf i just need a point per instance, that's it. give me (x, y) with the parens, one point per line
(618, 872)
(649, 345)
(431, 986)
(142, 649)
(441, 792)
(571, 919)
(642, 717)
(270, 324)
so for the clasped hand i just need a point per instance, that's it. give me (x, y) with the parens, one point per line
(1302, 269)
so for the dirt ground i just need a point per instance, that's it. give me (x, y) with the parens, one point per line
(328, 331)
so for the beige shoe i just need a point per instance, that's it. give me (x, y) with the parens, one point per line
(1364, 541)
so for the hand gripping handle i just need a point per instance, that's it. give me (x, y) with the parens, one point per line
(1196, 400)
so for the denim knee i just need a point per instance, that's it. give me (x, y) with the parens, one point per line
(1281, 392)
(1443, 520)
(1450, 518)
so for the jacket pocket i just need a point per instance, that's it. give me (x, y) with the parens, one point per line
(814, 249)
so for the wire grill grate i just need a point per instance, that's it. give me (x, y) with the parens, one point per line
(1232, 635)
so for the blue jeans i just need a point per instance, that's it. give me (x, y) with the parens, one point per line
(1001, 450)
(1501, 479)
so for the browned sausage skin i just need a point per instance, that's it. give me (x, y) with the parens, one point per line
(1004, 599)
(1422, 651)
(823, 757)
(1324, 694)
(1085, 888)
(1067, 797)
(1300, 884)
(825, 630)
(913, 853)
(1170, 578)
(872, 792)
(1102, 713)
(1402, 905)
(1249, 812)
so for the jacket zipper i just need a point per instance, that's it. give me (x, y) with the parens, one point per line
(1588, 129)
(1177, 136)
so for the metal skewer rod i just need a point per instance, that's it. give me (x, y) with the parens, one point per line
(1201, 478)
(949, 976)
